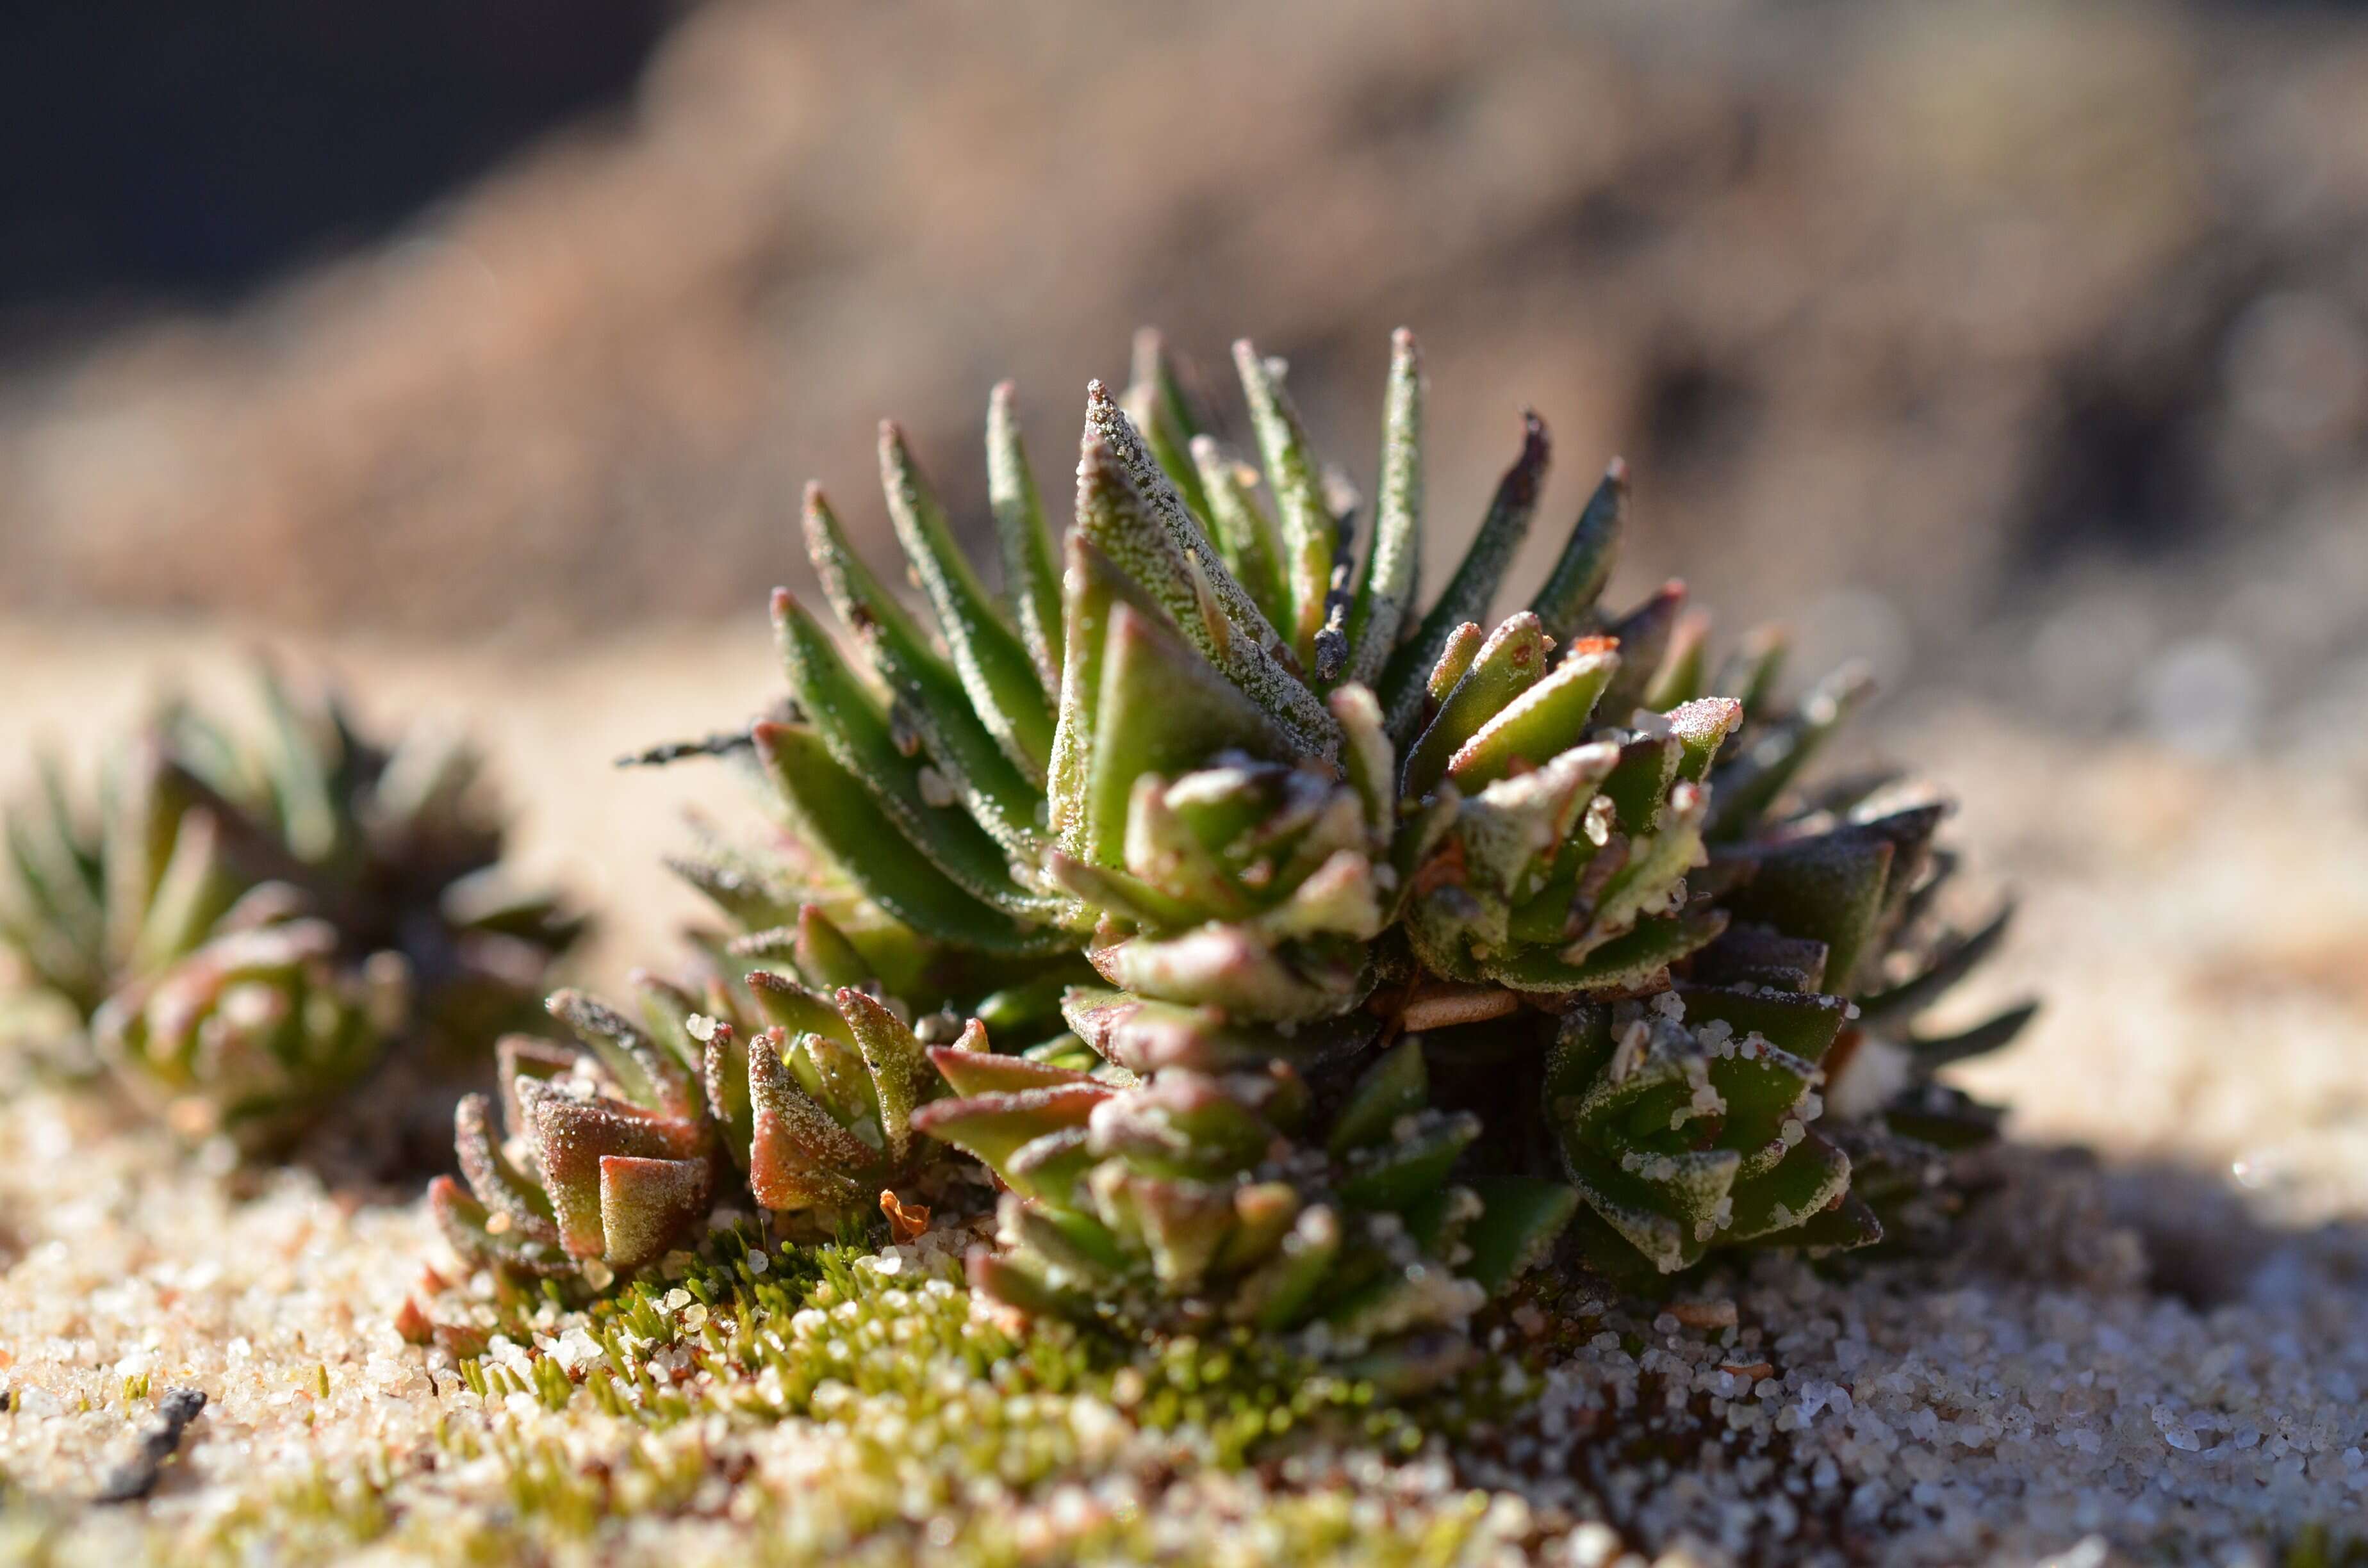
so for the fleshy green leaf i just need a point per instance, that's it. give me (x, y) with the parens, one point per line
(1387, 593)
(926, 693)
(849, 722)
(1126, 505)
(1565, 605)
(994, 663)
(1244, 534)
(1164, 412)
(1309, 536)
(849, 827)
(1546, 720)
(1031, 574)
(1473, 587)
(1512, 660)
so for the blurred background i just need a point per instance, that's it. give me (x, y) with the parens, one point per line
(480, 346)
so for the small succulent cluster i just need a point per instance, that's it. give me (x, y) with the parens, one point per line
(802, 1079)
(243, 926)
(1192, 1200)
(1286, 883)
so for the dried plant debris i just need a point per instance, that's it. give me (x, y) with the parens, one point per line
(245, 923)
(138, 1476)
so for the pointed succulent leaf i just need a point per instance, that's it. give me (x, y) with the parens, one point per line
(1680, 677)
(1263, 1214)
(1031, 573)
(1124, 498)
(1179, 1223)
(1164, 851)
(825, 955)
(926, 694)
(724, 1075)
(1160, 710)
(1509, 832)
(782, 1001)
(1993, 1033)
(1386, 595)
(191, 892)
(1366, 756)
(1414, 1160)
(1120, 896)
(1547, 719)
(974, 1073)
(1228, 967)
(1146, 1037)
(1565, 605)
(1814, 1177)
(646, 1203)
(1520, 1217)
(1243, 534)
(1473, 587)
(1181, 1124)
(994, 663)
(1746, 787)
(648, 1074)
(1340, 898)
(1512, 660)
(570, 1139)
(1073, 1244)
(996, 1127)
(1749, 673)
(1625, 963)
(854, 726)
(901, 1074)
(1307, 527)
(848, 825)
(1463, 646)
(504, 1187)
(1801, 1024)
(1279, 1294)
(1830, 889)
(1166, 415)
(1653, 876)
(1701, 728)
(1747, 954)
(1024, 1288)
(1397, 1085)
(519, 1059)
(800, 1156)
(469, 1226)
(1642, 635)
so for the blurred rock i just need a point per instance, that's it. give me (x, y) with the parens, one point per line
(1982, 320)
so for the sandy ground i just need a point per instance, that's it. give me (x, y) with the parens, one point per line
(2159, 1348)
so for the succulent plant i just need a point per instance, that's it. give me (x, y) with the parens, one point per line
(1231, 815)
(1687, 1121)
(1196, 1199)
(1289, 813)
(250, 1034)
(390, 858)
(606, 1157)
(812, 1088)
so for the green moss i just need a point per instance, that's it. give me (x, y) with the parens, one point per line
(947, 1419)
(317, 1519)
(2323, 1546)
(807, 1332)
